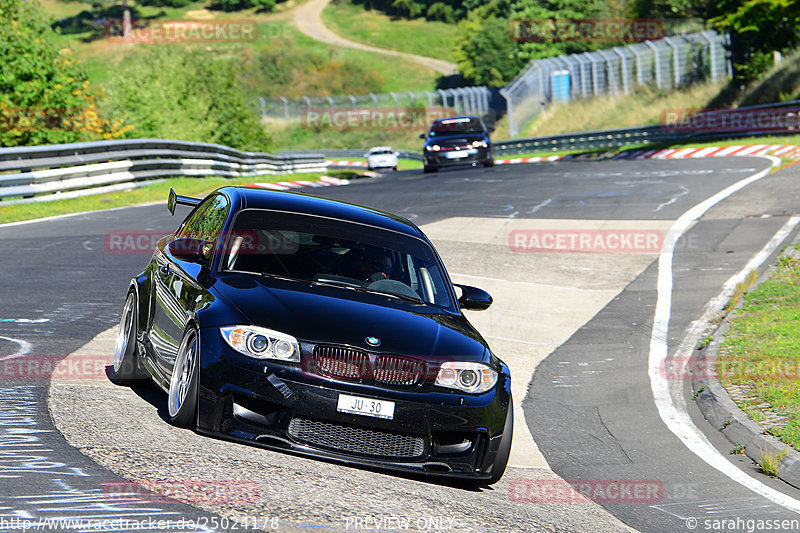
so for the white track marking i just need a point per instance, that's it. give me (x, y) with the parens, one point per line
(540, 205)
(684, 192)
(24, 348)
(676, 420)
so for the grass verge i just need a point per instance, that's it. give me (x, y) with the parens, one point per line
(640, 108)
(760, 356)
(367, 26)
(402, 164)
(156, 192)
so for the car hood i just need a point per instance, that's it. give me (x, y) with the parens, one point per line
(333, 315)
(465, 138)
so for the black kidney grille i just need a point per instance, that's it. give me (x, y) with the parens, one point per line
(395, 370)
(352, 364)
(341, 363)
(356, 440)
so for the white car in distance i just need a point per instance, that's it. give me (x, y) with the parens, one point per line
(381, 157)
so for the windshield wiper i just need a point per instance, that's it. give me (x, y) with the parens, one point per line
(416, 300)
(279, 276)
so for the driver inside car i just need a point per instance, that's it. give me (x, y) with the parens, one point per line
(374, 266)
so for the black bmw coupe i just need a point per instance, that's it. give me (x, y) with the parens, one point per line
(319, 327)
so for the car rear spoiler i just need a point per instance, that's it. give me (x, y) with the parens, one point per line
(175, 199)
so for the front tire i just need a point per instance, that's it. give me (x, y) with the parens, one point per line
(125, 365)
(428, 169)
(501, 461)
(182, 402)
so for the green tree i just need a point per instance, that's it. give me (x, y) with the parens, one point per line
(484, 51)
(757, 28)
(238, 5)
(186, 93)
(45, 96)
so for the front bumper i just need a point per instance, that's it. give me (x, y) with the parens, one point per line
(279, 406)
(474, 156)
(382, 163)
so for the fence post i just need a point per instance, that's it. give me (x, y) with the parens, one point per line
(612, 82)
(443, 94)
(581, 62)
(657, 62)
(625, 85)
(638, 55)
(285, 108)
(676, 62)
(512, 127)
(712, 56)
(263, 107)
(595, 89)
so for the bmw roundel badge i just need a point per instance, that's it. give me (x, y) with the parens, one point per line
(373, 341)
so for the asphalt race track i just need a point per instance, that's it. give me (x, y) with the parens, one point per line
(580, 323)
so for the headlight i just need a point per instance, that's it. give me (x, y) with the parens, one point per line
(473, 378)
(435, 148)
(261, 343)
(479, 144)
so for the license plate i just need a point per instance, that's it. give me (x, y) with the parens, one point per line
(365, 406)
(456, 155)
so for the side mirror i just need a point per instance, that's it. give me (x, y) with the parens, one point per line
(474, 298)
(422, 135)
(176, 199)
(191, 250)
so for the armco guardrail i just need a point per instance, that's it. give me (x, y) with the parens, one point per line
(333, 154)
(32, 171)
(587, 140)
(643, 135)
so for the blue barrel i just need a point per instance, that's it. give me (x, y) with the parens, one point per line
(559, 82)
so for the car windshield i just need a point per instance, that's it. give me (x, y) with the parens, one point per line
(381, 152)
(335, 252)
(456, 125)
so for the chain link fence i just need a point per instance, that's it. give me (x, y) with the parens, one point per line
(463, 100)
(666, 63)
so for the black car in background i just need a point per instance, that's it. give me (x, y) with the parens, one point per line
(457, 141)
(318, 327)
